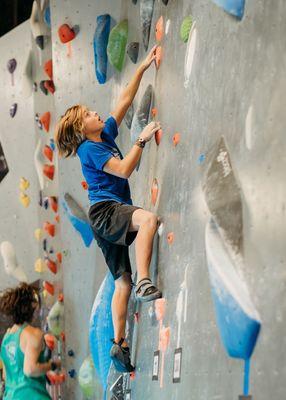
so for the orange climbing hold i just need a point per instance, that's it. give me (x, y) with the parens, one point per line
(45, 120)
(158, 55)
(48, 152)
(154, 112)
(49, 171)
(59, 257)
(159, 30)
(50, 341)
(53, 203)
(48, 68)
(49, 228)
(170, 237)
(63, 336)
(154, 191)
(51, 265)
(84, 185)
(66, 33)
(57, 219)
(158, 136)
(49, 287)
(49, 85)
(176, 138)
(61, 297)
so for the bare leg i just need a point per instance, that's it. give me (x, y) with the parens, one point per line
(119, 306)
(145, 223)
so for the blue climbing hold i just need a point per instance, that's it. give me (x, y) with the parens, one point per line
(233, 7)
(52, 144)
(47, 16)
(100, 41)
(78, 219)
(101, 330)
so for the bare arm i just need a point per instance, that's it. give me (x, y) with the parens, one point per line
(124, 168)
(130, 91)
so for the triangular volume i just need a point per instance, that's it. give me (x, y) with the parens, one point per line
(3, 165)
(233, 7)
(146, 14)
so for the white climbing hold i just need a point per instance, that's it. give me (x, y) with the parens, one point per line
(11, 265)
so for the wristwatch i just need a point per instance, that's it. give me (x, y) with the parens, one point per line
(140, 142)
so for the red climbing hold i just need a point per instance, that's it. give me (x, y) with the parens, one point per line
(154, 191)
(59, 257)
(132, 375)
(61, 298)
(57, 219)
(63, 336)
(51, 265)
(49, 85)
(170, 237)
(66, 34)
(176, 139)
(84, 185)
(50, 341)
(158, 136)
(158, 55)
(48, 152)
(154, 112)
(49, 171)
(45, 120)
(53, 203)
(159, 30)
(48, 68)
(49, 228)
(49, 287)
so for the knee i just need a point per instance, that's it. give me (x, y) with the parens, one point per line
(151, 220)
(123, 284)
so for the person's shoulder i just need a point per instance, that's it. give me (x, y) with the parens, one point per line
(34, 332)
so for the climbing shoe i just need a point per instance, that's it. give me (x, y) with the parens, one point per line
(121, 357)
(146, 291)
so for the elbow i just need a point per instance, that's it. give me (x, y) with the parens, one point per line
(29, 372)
(125, 173)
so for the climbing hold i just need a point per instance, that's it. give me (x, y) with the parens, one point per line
(48, 68)
(57, 219)
(45, 120)
(88, 381)
(40, 266)
(55, 318)
(160, 308)
(190, 54)
(46, 203)
(37, 119)
(233, 7)
(146, 13)
(51, 265)
(25, 199)
(48, 171)
(158, 136)
(159, 29)
(43, 87)
(45, 244)
(61, 297)
(201, 158)
(53, 201)
(13, 110)
(165, 2)
(63, 336)
(39, 167)
(49, 228)
(141, 117)
(11, 66)
(47, 16)
(35, 87)
(84, 185)
(52, 144)
(154, 191)
(117, 44)
(170, 237)
(51, 251)
(38, 26)
(10, 262)
(49, 85)
(176, 138)
(66, 33)
(38, 233)
(50, 341)
(78, 218)
(100, 42)
(24, 184)
(70, 353)
(185, 28)
(72, 373)
(158, 56)
(59, 257)
(48, 153)
(133, 51)
(129, 116)
(154, 112)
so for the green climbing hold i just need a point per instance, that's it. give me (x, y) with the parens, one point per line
(185, 28)
(117, 44)
(88, 381)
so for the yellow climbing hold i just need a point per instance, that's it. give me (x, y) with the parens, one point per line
(24, 199)
(45, 293)
(38, 234)
(24, 184)
(40, 265)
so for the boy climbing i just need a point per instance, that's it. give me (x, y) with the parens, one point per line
(115, 221)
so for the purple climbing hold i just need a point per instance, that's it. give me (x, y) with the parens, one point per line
(11, 65)
(13, 110)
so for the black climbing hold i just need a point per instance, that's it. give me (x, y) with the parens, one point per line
(165, 2)
(43, 88)
(40, 41)
(35, 87)
(45, 244)
(13, 110)
(11, 65)
(46, 203)
(72, 373)
(134, 1)
(40, 198)
(132, 51)
(71, 353)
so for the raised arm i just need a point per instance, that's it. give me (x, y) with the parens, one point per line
(130, 91)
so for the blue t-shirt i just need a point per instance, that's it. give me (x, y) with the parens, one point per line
(93, 156)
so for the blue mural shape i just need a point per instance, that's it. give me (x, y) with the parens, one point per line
(233, 7)
(101, 330)
(78, 219)
(100, 41)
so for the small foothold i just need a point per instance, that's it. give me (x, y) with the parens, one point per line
(154, 191)
(25, 200)
(24, 184)
(170, 237)
(59, 257)
(132, 375)
(154, 112)
(45, 244)
(48, 68)
(66, 33)
(63, 336)
(43, 87)
(48, 152)
(48, 171)
(40, 198)
(71, 353)
(46, 203)
(185, 28)
(84, 185)
(11, 65)
(35, 87)
(201, 158)
(49, 228)
(72, 373)
(51, 251)
(176, 139)
(40, 41)
(39, 266)
(13, 110)
(136, 317)
(159, 30)
(158, 55)
(61, 298)
(49, 85)
(57, 219)
(133, 51)
(53, 201)
(158, 136)
(38, 234)
(45, 120)
(51, 265)
(49, 287)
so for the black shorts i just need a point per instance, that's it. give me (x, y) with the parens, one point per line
(110, 222)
